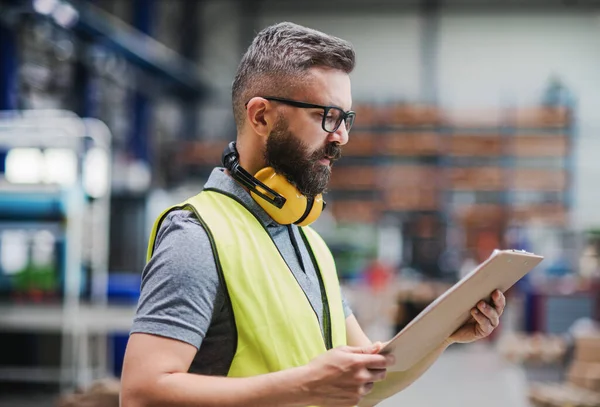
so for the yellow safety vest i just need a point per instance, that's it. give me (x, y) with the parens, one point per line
(277, 327)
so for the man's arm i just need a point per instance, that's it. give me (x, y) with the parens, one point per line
(155, 374)
(355, 336)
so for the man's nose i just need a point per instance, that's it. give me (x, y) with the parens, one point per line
(339, 136)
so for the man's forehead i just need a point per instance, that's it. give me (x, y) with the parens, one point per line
(327, 87)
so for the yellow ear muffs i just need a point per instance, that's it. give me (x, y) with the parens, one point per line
(296, 209)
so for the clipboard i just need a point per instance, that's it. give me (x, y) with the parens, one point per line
(452, 309)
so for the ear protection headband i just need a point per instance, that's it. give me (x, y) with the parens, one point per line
(273, 192)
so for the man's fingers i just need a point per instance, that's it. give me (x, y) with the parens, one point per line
(374, 348)
(366, 388)
(371, 361)
(499, 301)
(485, 326)
(377, 375)
(490, 312)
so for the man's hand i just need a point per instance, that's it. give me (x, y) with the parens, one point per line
(344, 375)
(485, 319)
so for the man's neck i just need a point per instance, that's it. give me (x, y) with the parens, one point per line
(250, 153)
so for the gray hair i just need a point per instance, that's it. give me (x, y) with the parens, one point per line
(278, 58)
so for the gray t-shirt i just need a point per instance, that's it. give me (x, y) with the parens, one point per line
(182, 297)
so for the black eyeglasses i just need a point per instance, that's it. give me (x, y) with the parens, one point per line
(332, 115)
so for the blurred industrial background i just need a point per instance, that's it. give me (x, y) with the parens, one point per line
(477, 128)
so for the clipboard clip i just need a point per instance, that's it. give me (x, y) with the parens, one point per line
(522, 251)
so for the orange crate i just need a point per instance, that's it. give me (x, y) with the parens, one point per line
(476, 145)
(479, 178)
(540, 146)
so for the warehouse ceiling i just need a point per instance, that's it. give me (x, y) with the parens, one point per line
(451, 5)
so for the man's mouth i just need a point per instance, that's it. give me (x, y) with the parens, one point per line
(325, 161)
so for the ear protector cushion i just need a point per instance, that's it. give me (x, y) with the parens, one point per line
(273, 192)
(297, 208)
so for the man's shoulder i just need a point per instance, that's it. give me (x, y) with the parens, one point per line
(182, 218)
(180, 226)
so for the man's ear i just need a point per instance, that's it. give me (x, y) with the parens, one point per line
(260, 115)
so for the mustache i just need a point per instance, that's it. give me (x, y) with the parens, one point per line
(333, 151)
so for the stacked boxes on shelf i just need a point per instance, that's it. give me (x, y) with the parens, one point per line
(535, 349)
(396, 147)
(582, 385)
(584, 372)
(563, 395)
(416, 158)
(542, 176)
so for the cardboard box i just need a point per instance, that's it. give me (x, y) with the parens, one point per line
(356, 211)
(401, 176)
(479, 178)
(474, 118)
(367, 115)
(562, 395)
(480, 214)
(412, 115)
(410, 144)
(475, 145)
(587, 349)
(542, 117)
(539, 180)
(411, 198)
(353, 178)
(540, 146)
(584, 375)
(361, 145)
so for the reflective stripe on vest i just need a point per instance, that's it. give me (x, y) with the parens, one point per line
(277, 327)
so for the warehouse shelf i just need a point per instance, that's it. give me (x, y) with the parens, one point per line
(472, 168)
(58, 229)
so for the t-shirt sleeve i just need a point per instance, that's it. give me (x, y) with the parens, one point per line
(180, 283)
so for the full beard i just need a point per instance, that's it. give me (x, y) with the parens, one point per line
(290, 157)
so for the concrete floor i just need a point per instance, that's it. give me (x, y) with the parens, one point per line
(471, 375)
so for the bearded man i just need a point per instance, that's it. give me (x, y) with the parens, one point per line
(240, 302)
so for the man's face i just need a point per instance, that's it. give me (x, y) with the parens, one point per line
(297, 146)
(309, 170)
